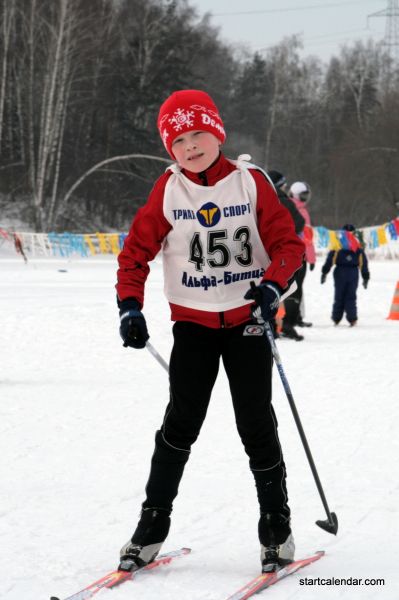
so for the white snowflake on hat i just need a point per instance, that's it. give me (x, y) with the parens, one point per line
(182, 117)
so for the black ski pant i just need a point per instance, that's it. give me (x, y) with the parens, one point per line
(292, 304)
(346, 280)
(193, 369)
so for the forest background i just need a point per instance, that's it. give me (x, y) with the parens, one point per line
(80, 88)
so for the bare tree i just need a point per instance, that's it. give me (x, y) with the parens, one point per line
(281, 64)
(7, 16)
(54, 36)
(360, 70)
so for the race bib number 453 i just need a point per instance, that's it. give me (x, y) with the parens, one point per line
(217, 253)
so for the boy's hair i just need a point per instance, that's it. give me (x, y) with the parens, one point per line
(188, 110)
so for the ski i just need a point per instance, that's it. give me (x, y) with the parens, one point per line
(117, 577)
(267, 579)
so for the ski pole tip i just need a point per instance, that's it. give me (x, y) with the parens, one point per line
(331, 526)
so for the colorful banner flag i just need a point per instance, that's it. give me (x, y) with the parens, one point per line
(91, 244)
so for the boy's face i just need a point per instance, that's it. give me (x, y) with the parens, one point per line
(196, 150)
(304, 197)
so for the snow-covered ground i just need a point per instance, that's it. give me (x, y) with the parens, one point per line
(78, 414)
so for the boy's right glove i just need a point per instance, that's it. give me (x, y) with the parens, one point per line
(323, 278)
(267, 296)
(365, 283)
(133, 328)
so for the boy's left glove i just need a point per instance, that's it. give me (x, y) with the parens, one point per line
(267, 296)
(133, 328)
(365, 283)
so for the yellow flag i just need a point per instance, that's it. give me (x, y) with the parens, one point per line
(334, 241)
(382, 236)
(88, 240)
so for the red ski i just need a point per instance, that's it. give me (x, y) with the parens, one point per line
(267, 579)
(117, 577)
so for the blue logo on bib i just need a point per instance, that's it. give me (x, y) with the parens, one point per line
(209, 214)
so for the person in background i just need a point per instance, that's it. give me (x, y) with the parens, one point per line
(280, 183)
(291, 304)
(347, 265)
(300, 193)
(220, 227)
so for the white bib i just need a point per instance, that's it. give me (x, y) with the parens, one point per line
(213, 250)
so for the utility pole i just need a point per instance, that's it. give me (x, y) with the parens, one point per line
(391, 37)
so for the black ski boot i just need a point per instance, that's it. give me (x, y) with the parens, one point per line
(277, 544)
(302, 323)
(147, 540)
(288, 331)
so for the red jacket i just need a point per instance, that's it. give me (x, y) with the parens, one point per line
(150, 227)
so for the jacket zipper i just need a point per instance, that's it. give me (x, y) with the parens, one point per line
(203, 177)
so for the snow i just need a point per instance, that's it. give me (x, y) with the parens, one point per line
(78, 416)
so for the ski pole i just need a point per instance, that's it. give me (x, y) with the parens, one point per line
(331, 524)
(157, 356)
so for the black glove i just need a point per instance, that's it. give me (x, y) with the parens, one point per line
(312, 266)
(267, 296)
(323, 278)
(365, 283)
(133, 328)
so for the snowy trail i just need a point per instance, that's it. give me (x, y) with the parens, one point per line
(78, 415)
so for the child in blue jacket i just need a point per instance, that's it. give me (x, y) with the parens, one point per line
(347, 264)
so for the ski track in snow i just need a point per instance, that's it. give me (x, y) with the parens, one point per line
(78, 414)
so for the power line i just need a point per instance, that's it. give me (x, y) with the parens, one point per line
(287, 9)
(325, 39)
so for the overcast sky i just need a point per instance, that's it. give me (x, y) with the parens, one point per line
(325, 25)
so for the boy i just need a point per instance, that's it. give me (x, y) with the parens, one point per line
(220, 225)
(292, 303)
(280, 183)
(347, 264)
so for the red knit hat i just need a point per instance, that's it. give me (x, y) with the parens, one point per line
(188, 110)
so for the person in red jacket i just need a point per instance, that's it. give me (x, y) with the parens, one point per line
(300, 195)
(220, 226)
